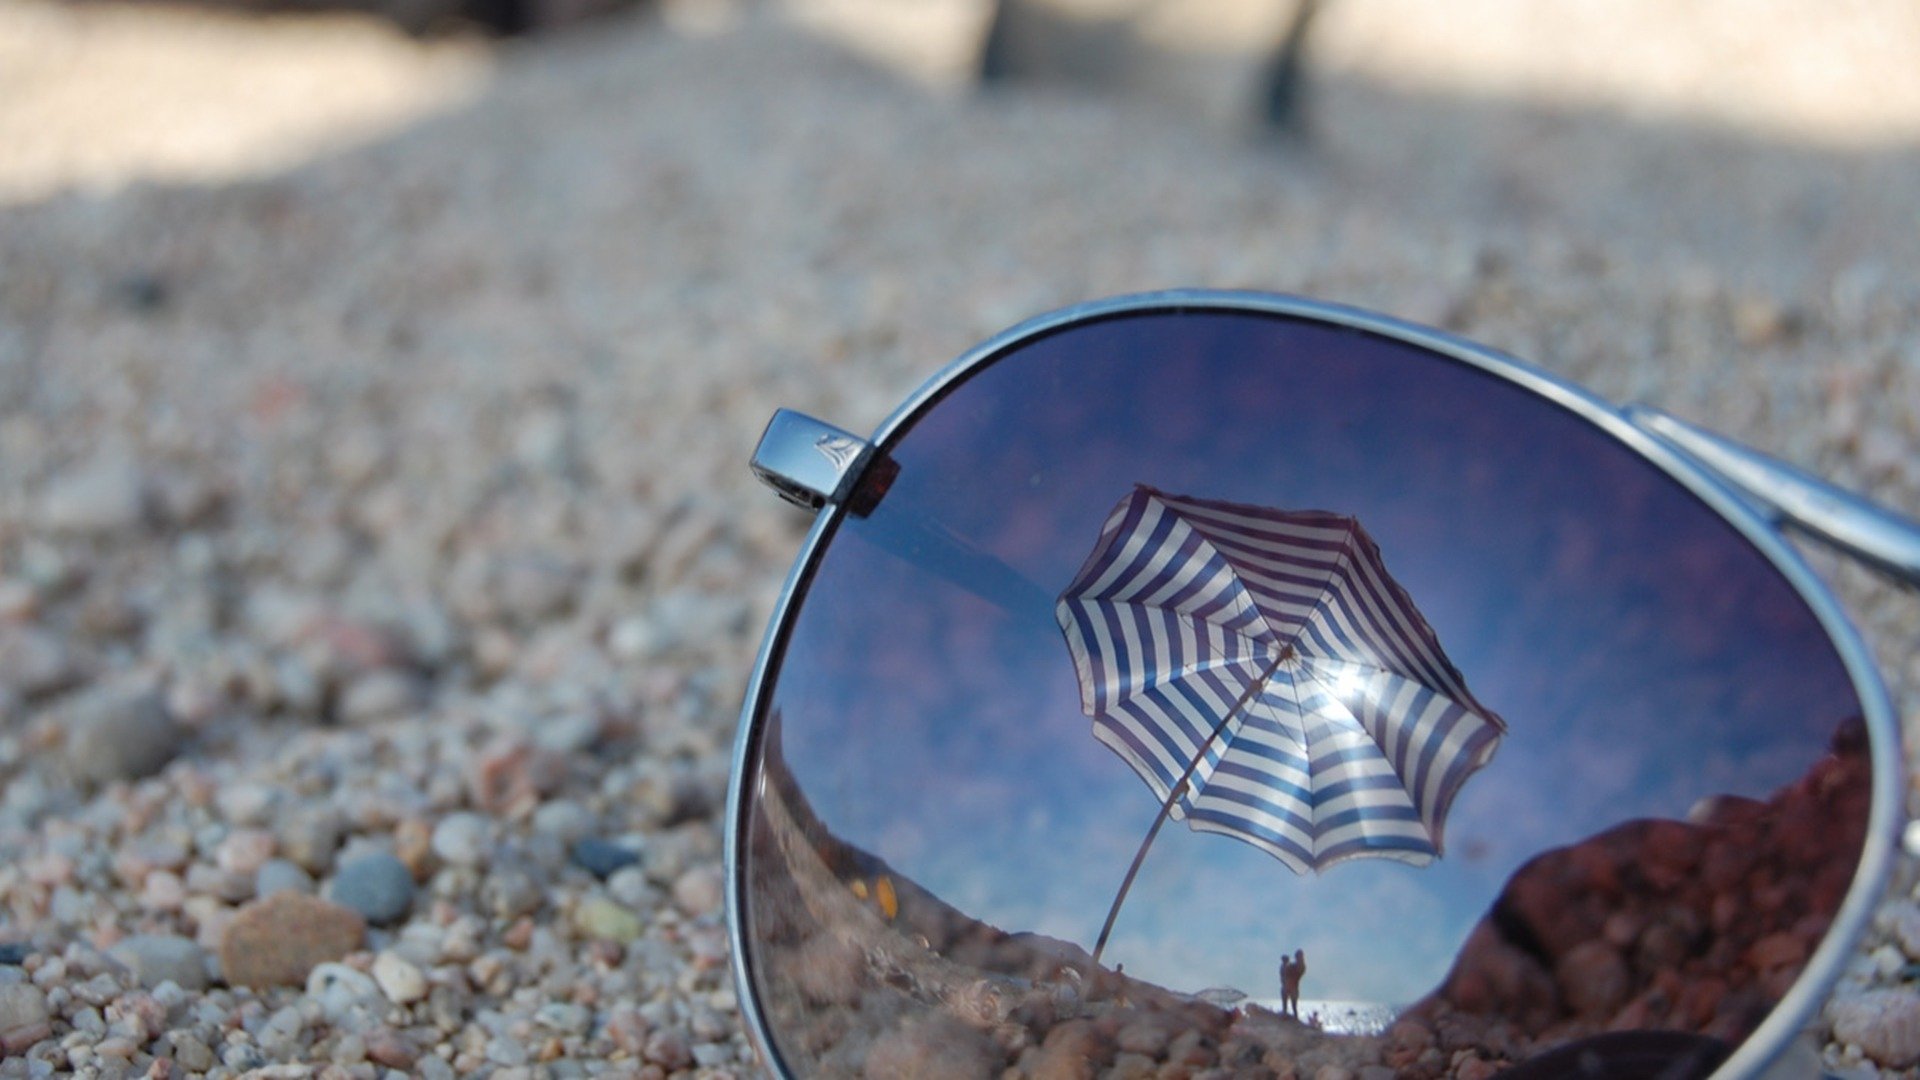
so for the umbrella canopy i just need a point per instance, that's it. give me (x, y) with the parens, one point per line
(1263, 673)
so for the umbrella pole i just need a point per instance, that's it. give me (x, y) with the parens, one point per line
(1174, 793)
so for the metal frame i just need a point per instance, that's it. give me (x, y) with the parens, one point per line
(1755, 513)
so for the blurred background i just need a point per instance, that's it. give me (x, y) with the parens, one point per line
(377, 381)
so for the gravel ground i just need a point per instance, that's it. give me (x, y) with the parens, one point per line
(378, 564)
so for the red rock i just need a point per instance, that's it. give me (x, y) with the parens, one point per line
(827, 970)
(1191, 1049)
(1074, 1050)
(1476, 1069)
(935, 1047)
(1406, 1041)
(1147, 1034)
(1669, 852)
(1593, 978)
(1777, 950)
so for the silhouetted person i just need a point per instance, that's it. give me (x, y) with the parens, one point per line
(1291, 970)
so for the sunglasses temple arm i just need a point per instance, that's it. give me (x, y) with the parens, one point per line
(1790, 497)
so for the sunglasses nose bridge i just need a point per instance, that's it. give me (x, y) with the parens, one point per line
(809, 462)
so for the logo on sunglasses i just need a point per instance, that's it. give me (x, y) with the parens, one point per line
(838, 449)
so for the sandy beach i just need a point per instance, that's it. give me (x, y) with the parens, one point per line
(375, 528)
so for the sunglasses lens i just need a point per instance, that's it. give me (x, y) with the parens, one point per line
(1473, 733)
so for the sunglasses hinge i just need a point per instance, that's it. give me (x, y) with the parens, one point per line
(809, 462)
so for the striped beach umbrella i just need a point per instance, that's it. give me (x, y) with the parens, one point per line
(1269, 680)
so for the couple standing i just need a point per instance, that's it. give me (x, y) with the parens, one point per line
(1291, 969)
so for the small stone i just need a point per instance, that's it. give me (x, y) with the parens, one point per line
(158, 958)
(564, 820)
(377, 885)
(1901, 918)
(669, 1050)
(512, 1054)
(399, 979)
(281, 875)
(512, 773)
(190, 1053)
(383, 694)
(602, 858)
(279, 940)
(114, 735)
(569, 733)
(34, 662)
(534, 588)
(627, 1027)
(632, 888)
(1593, 978)
(105, 495)
(1884, 1023)
(699, 891)
(934, 1047)
(564, 1017)
(309, 838)
(24, 1017)
(510, 892)
(19, 600)
(462, 839)
(245, 804)
(413, 845)
(14, 953)
(340, 989)
(384, 1047)
(244, 851)
(163, 891)
(603, 919)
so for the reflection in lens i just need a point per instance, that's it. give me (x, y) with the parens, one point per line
(1270, 681)
(938, 830)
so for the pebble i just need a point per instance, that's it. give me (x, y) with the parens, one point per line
(564, 820)
(281, 875)
(243, 851)
(279, 940)
(602, 858)
(119, 735)
(632, 888)
(1901, 918)
(105, 495)
(34, 663)
(1884, 1023)
(24, 1017)
(699, 891)
(14, 952)
(669, 1050)
(191, 1053)
(339, 989)
(376, 885)
(933, 1046)
(510, 892)
(158, 958)
(309, 837)
(379, 695)
(462, 839)
(337, 389)
(399, 979)
(603, 919)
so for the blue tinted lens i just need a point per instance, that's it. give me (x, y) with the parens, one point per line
(1466, 730)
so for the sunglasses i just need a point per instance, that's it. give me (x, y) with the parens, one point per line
(1510, 736)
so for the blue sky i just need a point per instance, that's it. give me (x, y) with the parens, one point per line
(1642, 658)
